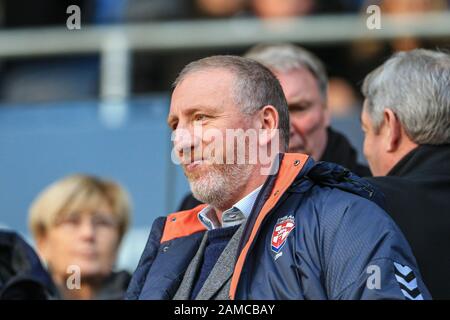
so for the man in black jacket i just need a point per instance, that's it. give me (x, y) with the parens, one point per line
(406, 120)
(304, 82)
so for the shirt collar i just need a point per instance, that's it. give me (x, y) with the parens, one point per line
(237, 214)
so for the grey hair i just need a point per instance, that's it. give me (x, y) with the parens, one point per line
(254, 87)
(415, 85)
(285, 57)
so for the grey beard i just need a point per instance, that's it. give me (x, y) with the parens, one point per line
(221, 184)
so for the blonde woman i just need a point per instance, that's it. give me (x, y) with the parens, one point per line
(78, 223)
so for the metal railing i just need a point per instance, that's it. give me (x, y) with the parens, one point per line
(114, 43)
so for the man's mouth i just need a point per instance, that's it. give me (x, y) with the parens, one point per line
(193, 165)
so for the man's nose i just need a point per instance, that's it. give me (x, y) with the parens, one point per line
(185, 141)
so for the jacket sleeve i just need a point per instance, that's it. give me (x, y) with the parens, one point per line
(146, 261)
(365, 254)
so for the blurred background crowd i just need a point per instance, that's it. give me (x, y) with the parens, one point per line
(93, 103)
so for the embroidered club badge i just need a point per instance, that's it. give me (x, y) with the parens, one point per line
(283, 227)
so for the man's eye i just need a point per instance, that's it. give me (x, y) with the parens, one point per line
(199, 117)
(299, 107)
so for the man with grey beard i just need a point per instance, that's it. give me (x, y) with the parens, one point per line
(304, 81)
(275, 225)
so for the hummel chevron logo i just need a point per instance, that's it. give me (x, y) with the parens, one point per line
(407, 282)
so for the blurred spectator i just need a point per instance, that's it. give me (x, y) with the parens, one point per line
(221, 8)
(304, 82)
(298, 8)
(80, 221)
(282, 8)
(401, 7)
(366, 54)
(412, 6)
(406, 119)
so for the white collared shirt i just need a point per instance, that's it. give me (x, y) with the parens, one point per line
(237, 214)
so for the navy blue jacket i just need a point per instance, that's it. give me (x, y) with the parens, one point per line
(316, 231)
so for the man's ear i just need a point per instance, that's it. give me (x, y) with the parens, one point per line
(268, 123)
(393, 129)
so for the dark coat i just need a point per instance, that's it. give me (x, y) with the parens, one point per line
(114, 287)
(417, 194)
(21, 274)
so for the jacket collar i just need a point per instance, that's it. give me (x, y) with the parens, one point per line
(236, 215)
(182, 224)
(291, 166)
(425, 159)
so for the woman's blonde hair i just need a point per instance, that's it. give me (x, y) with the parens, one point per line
(78, 192)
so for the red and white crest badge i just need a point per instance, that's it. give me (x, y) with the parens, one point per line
(283, 227)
